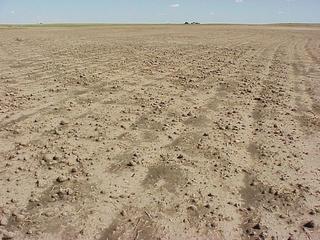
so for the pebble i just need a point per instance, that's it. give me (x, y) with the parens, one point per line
(130, 164)
(180, 156)
(63, 122)
(4, 221)
(312, 212)
(309, 224)
(19, 217)
(123, 213)
(192, 207)
(62, 179)
(257, 226)
(47, 157)
(40, 183)
(207, 205)
(48, 214)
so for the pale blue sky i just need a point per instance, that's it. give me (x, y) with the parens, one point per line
(159, 11)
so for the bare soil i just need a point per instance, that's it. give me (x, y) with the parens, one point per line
(160, 132)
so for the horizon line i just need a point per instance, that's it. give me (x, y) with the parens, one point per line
(164, 23)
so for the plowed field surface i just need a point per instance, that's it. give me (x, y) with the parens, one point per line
(160, 132)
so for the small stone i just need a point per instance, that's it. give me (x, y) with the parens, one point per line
(48, 214)
(192, 207)
(180, 156)
(19, 217)
(47, 157)
(312, 212)
(257, 226)
(40, 183)
(69, 191)
(263, 235)
(309, 224)
(130, 164)
(4, 221)
(250, 232)
(62, 179)
(63, 122)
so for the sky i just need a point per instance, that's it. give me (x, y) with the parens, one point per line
(159, 11)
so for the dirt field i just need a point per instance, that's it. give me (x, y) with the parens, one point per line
(160, 132)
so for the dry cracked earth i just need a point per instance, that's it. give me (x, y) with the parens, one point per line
(160, 132)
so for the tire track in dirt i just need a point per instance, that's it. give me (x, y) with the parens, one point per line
(246, 86)
(305, 69)
(276, 94)
(251, 193)
(305, 72)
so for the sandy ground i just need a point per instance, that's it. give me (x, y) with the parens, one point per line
(160, 132)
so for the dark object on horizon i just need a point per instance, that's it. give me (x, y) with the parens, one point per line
(191, 23)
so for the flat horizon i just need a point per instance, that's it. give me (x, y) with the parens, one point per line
(182, 23)
(157, 12)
